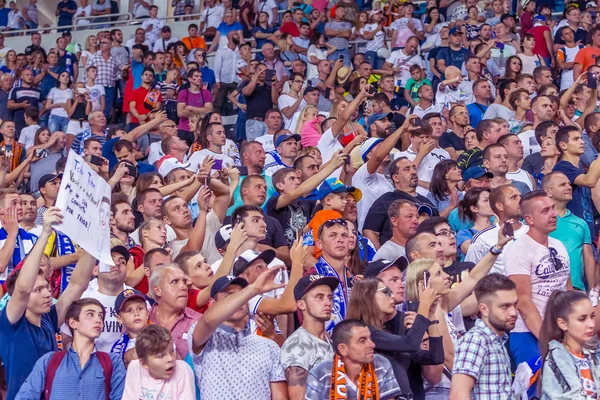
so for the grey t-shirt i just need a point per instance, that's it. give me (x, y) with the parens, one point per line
(46, 165)
(498, 110)
(389, 251)
(324, 104)
(303, 349)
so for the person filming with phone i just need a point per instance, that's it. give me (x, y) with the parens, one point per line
(424, 273)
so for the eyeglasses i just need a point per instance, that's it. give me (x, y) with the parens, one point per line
(446, 232)
(333, 222)
(386, 290)
(558, 265)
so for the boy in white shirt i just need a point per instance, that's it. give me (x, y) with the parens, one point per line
(27, 137)
(153, 26)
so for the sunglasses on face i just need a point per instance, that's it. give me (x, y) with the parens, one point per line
(385, 290)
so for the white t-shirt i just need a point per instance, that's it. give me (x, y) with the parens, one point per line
(452, 95)
(266, 6)
(320, 54)
(161, 44)
(566, 77)
(212, 16)
(372, 187)
(400, 25)
(87, 10)
(111, 330)
(96, 93)
(484, 240)
(199, 156)
(389, 251)
(288, 101)
(267, 142)
(378, 40)
(328, 145)
(521, 175)
(139, 11)
(169, 164)
(398, 57)
(433, 108)
(530, 144)
(154, 34)
(528, 257)
(59, 96)
(155, 153)
(27, 137)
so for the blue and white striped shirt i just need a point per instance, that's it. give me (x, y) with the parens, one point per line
(23, 246)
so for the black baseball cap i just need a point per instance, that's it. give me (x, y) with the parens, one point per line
(48, 178)
(374, 268)
(250, 256)
(307, 282)
(223, 283)
(122, 250)
(126, 295)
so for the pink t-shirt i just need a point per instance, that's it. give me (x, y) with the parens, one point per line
(309, 134)
(140, 385)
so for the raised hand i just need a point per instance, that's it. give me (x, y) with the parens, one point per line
(238, 236)
(265, 281)
(9, 221)
(52, 216)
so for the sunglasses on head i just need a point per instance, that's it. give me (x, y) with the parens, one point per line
(386, 290)
(333, 222)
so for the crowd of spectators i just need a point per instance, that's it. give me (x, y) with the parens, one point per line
(310, 200)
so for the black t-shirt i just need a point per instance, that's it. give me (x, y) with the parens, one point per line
(259, 102)
(275, 237)
(291, 217)
(534, 163)
(580, 36)
(377, 218)
(451, 139)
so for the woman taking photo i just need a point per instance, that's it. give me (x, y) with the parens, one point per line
(425, 270)
(570, 371)
(57, 102)
(78, 107)
(373, 302)
(443, 190)
(475, 209)
(318, 50)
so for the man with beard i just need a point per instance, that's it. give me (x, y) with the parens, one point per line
(375, 153)
(285, 153)
(504, 201)
(495, 160)
(453, 140)
(309, 345)
(124, 220)
(481, 362)
(541, 108)
(403, 173)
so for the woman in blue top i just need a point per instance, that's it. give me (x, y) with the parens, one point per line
(10, 61)
(475, 207)
(443, 190)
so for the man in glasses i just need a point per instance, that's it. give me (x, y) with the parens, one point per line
(538, 264)
(571, 230)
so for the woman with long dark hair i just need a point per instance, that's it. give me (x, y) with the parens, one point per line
(372, 302)
(570, 371)
(474, 208)
(514, 66)
(443, 190)
(57, 103)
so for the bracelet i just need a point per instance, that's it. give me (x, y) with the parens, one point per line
(435, 322)
(495, 251)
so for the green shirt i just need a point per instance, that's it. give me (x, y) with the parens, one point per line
(574, 232)
(237, 196)
(413, 87)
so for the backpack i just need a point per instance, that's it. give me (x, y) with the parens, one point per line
(57, 359)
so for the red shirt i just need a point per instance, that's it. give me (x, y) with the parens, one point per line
(290, 28)
(193, 301)
(143, 101)
(138, 260)
(540, 48)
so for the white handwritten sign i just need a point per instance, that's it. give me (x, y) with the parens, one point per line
(84, 198)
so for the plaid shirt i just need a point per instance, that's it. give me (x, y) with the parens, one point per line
(180, 6)
(482, 355)
(108, 72)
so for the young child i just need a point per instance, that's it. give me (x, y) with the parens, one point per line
(132, 313)
(332, 195)
(158, 374)
(27, 137)
(449, 91)
(417, 79)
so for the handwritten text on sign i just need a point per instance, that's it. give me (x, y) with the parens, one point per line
(84, 198)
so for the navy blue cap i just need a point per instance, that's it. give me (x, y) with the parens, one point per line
(126, 295)
(476, 172)
(455, 31)
(374, 268)
(223, 283)
(285, 136)
(379, 117)
(308, 282)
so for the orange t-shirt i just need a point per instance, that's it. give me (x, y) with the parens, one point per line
(195, 43)
(586, 57)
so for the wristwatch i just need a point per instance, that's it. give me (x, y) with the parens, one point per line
(495, 251)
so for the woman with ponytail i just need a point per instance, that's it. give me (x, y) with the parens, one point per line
(571, 371)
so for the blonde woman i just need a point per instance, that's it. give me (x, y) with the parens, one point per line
(309, 126)
(91, 48)
(428, 273)
(286, 52)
